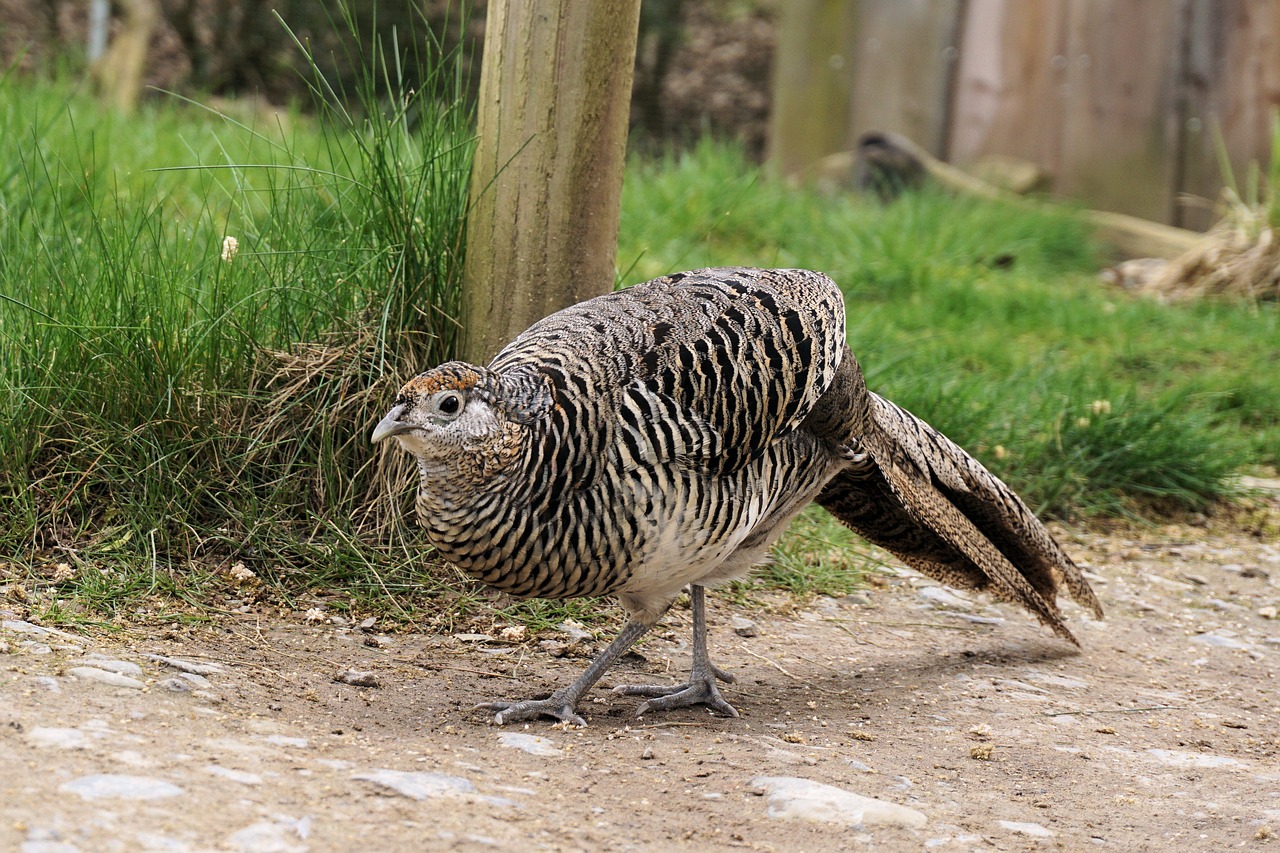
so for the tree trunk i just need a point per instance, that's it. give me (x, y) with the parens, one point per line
(118, 72)
(555, 89)
(812, 83)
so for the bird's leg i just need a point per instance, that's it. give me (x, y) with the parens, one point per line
(701, 688)
(563, 703)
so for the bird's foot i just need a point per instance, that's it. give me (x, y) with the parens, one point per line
(701, 690)
(555, 705)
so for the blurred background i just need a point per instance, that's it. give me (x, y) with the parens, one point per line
(1131, 106)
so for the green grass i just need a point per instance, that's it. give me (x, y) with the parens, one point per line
(166, 414)
(169, 410)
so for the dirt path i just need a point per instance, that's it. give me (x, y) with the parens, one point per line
(1164, 734)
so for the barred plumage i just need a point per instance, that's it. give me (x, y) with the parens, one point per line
(663, 436)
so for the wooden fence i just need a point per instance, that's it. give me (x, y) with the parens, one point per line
(1121, 101)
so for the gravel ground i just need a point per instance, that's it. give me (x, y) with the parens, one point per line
(906, 717)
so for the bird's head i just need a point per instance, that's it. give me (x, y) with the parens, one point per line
(444, 413)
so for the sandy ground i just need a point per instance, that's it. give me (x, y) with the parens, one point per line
(1162, 734)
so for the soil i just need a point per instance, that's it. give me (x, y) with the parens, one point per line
(1163, 732)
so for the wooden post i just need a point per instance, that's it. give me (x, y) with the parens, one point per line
(555, 91)
(812, 76)
(118, 72)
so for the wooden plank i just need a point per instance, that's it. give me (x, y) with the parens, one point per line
(1233, 83)
(1009, 77)
(904, 55)
(1118, 101)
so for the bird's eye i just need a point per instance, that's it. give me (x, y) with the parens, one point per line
(449, 404)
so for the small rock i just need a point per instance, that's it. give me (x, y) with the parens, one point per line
(175, 685)
(358, 678)
(18, 626)
(647, 755)
(116, 786)
(122, 667)
(532, 744)
(418, 786)
(367, 624)
(977, 620)
(244, 777)
(186, 665)
(791, 797)
(473, 638)
(1033, 829)
(278, 835)
(859, 766)
(1267, 612)
(115, 679)
(577, 634)
(939, 597)
(1176, 758)
(1218, 641)
(47, 682)
(61, 738)
(745, 627)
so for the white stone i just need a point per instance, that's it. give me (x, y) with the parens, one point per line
(1194, 759)
(123, 667)
(939, 597)
(186, 665)
(1033, 829)
(532, 744)
(1218, 641)
(115, 679)
(62, 738)
(244, 777)
(118, 786)
(417, 786)
(794, 798)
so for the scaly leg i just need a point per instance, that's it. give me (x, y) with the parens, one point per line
(563, 703)
(701, 688)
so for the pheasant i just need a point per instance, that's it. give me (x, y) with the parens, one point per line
(664, 435)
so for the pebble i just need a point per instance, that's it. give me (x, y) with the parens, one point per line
(978, 620)
(939, 597)
(803, 799)
(532, 744)
(280, 835)
(115, 679)
(61, 738)
(1177, 758)
(47, 682)
(1218, 641)
(111, 785)
(1033, 829)
(186, 665)
(745, 627)
(123, 667)
(358, 678)
(20, 627)
(193, 678)
(417, 786)
(244, 777)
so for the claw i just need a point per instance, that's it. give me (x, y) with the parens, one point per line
(511, 712)
(664, 697)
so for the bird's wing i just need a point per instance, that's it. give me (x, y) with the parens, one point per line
(709, 367)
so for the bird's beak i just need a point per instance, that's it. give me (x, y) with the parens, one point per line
(390, 425)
